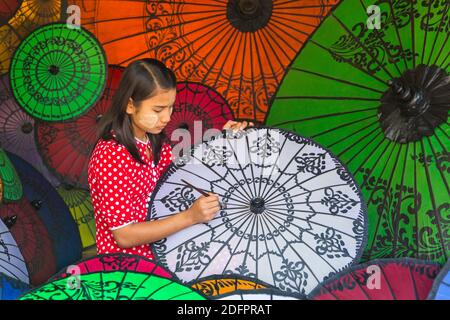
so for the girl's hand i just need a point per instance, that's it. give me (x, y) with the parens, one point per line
(204, 208)
(236, 126)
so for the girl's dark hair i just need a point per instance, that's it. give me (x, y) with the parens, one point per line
(141, 80)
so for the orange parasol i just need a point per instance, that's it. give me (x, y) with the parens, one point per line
(241, 48)
(22, 20)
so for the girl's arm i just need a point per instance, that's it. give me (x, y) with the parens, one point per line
(136, 234)
(203, 210)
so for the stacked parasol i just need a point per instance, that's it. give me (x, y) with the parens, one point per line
(340, 193)
(379, 99)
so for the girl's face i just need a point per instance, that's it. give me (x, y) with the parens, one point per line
(153, 114)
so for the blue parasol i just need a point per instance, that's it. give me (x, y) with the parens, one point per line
(52, 210)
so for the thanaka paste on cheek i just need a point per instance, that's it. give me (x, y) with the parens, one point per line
(147, 121)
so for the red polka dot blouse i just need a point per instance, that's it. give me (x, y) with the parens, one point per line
(120, 189)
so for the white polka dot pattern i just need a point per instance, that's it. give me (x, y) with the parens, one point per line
(120, 188)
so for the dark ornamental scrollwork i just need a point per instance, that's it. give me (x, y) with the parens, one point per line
(293, 276)
(179, 199)
(331, 244)
(192, 256)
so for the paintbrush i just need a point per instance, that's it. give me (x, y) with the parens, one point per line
(222, 206)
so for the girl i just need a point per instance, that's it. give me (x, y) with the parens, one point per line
(130, 157)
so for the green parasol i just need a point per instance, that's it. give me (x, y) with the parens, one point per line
(58, 73)
(117, 285)
(379, 99)
(10, 181)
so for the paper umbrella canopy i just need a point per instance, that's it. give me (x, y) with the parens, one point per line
(32, 238)
(218, 285)
(239, 48)
(65, 147)
(237, 287)
(11, 187)
(384, 279)
(292, 214)
(11, 289)
(52, 211)
(58, 73)
(114, 262)
(115, 285)
(17, 131)
(441, 286)
(18, 18)
(12, 263)
(379, 99)
(197, 108)
(263, 294)
(80, 205)
(8, 8)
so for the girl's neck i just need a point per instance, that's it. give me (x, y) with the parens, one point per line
(144, 140)
(140, 134)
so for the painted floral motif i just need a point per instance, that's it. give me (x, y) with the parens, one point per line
(215, 155)
(265, 146)
(267, 216)
(337, 201)
(330, 243)
(292, 276)
(241, 270)
(311, 162)
(179, 199)
(192, 256)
